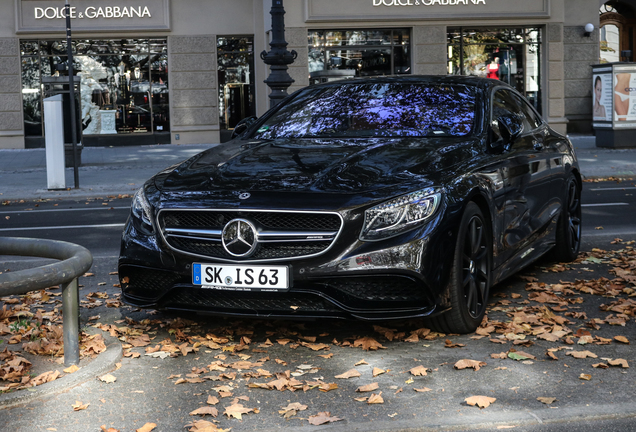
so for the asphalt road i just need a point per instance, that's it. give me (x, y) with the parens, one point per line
(608, 210)
(145, 392)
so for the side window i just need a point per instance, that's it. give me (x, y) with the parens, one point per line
(532, 120)
(503, 104)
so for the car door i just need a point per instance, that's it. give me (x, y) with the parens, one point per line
(547, 167)
(523, 179)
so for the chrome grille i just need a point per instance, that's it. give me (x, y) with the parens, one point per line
(281, 234)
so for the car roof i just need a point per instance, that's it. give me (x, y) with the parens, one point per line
(482, 83)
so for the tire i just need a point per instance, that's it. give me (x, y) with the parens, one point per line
(469, 281)
(568, 232)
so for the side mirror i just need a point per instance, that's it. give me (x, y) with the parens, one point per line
(243, 125)
(496, 143)
(510, 127)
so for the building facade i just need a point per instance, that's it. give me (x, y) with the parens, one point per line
(186, 71)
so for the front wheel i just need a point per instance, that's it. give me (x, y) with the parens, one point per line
(470, 275)
(568, 232)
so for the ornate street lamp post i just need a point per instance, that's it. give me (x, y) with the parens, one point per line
(71, 87)
(278, 57)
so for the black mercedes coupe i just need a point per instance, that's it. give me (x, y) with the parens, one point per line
(377, 198)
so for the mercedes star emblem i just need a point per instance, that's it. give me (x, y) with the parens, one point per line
(245, 195)
(239, 238)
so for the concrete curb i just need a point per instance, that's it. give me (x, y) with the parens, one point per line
(104, 362)
(487, 420)
(78, 194)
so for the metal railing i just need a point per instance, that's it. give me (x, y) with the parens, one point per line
(74, 261)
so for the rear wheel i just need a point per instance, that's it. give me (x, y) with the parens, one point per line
(470, 275)
(568, 234)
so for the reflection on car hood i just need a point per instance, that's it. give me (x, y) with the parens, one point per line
(318, 165)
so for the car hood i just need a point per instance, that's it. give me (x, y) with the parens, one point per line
(317, 165)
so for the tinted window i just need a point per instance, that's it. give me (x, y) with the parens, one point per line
(378, 109)
(503, 104)
(508, 103)
(532, 119)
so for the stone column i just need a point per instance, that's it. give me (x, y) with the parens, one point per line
(429, 52)
(554, 94)
(193, 90)
(11, 121)
(580, 53)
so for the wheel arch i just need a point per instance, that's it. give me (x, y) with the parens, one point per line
(478, 197)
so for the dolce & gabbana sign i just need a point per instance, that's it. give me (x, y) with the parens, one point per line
(426, 2)
(49, 16)
(408, 10)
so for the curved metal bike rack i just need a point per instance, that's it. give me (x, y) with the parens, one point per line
(74, 261)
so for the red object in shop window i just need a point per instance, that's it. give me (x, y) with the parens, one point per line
(493, 70)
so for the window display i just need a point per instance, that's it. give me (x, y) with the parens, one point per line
(364, 52)
(512, 55)
(236, 81)
(123, 88)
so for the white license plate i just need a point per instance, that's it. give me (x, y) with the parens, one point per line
(241, 277)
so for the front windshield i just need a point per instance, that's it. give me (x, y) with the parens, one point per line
(375, 110)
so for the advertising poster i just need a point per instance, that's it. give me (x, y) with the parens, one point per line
(624, 106)
(602, 91)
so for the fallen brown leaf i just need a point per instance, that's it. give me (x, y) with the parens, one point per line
(322, 418)
(205, 410)
(147, 427)
(546, 400)
(618, 362)
(378, 371)
(480, 401)
(71, 369)
(237, 411)
(368, 343)
(581, 354)
(375, 399)
(368, 387)
(422, 390)
(78, 405)
(351, 373)
(622, 339)
(466, 363)
(108, 378)
(418, 371)
(292, 409)
(451, 344)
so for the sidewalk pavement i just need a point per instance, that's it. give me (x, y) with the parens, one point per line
(104, 171)
(122, 170)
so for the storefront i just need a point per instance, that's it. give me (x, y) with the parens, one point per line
(159, 71)
(123, 88)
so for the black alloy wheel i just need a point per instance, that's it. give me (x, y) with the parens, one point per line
(475, 268)
(470, 275)
(568, 233)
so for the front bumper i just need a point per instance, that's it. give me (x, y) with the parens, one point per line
(402, 277)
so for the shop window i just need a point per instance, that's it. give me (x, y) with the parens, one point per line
(123, 87)
(334, 54)
(512, 55)
(236, 81)
(617, 36)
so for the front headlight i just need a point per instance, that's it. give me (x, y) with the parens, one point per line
(140, 209)
(400, 214)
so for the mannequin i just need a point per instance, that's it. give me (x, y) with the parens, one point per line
(493, 69)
